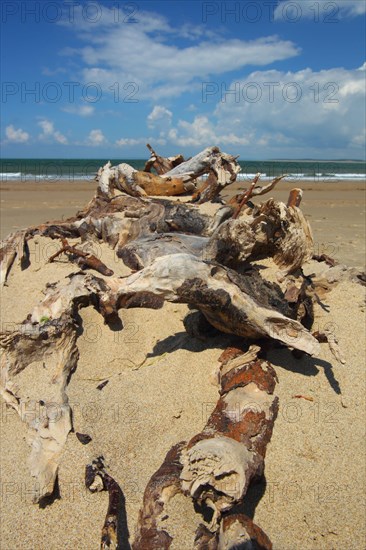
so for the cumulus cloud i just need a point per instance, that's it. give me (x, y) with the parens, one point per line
(80, 110)
(201, 132)
(49, 132)
(135, 54)
(299, 112)
(160, 117)
(47, 127)
(96, 138)
(321, 10)
(128, 142)
(16, 136)
(304, 108)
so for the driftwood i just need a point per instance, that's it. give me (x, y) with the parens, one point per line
(162, 487)
(83, 259)
(161, 164)
(179, 254)
(97, 479)
(138, 183)
(231, 303)
(115, 221)
(240, 200)
(221, 461)
(236, 531)
(216, 467)
(221, 167)
(51, 348)
(270, 230)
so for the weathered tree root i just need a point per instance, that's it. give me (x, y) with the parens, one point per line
(48, 416)
(222, 168)
(162, 487)
(230, 302)
(116, 221)
(161, 164)
(97, 479)
(216, 467)
(221, 461)
(237, 531)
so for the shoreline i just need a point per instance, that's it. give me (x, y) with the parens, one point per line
(336, 210)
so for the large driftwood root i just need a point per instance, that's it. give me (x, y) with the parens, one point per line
(231, 303)
(180, 254)
(116, 221)
(241, 305)
(216, 467)
(221, 461)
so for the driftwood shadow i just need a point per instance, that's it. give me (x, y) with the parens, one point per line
(305, 364)
(123, 534)
(182, 340)
(253, 496)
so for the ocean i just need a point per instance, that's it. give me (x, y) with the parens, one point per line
(54, 170)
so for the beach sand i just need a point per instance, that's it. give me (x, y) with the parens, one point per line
(162, 389)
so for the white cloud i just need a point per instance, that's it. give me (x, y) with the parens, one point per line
(16, 136)
(48, 72)
(81, 110)
(96, 138)
(201, 132)
(49, 132)
(159, 116)
(298, 113)
(47, 127)
(129, 142)
(305, 109)
(60, 138)
(147, 55)
(319, 11)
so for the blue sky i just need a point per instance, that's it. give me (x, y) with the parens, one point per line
(262, 79)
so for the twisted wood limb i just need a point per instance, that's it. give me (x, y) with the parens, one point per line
(161, 164)
(240, 200)
(221, 461)
(162, 487)
(84, 259)
(97, 479)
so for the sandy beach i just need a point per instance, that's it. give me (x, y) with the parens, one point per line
(162, 387)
